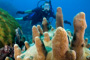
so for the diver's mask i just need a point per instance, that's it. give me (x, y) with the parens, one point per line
(46, 7)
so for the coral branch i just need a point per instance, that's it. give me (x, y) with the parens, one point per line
(35, 32)
(59, 18)
(46, 37)
(45, 24)
(40, 50)
(19, 58)
(27, 45)
(78, 40)
(7, 58)
(60, 44)
(17, 51)
(40, 29)
(71, 55)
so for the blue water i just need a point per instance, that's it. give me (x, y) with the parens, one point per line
(69, 8)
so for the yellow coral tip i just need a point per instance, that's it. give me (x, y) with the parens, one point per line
(18, 57)
(15, 45)
(26, 42)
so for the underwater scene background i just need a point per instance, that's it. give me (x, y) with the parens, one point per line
(70, 8)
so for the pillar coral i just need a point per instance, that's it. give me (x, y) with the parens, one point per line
(59, 18)
(27, 45)
(78, 38)
(45, 24)
(35, 32)
(59, 48)
(40, 29)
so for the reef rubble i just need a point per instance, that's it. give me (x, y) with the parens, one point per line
(56, 44)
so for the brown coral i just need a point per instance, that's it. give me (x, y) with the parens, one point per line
(7, 58)
(27, 45)
(59, 18)
(17, 51)
(40, 29)
(46, 37)
(54, 44)
(86, 43)
(35, 32)
(45, 24)
(59, 43)
(78, 40)
(40, 49)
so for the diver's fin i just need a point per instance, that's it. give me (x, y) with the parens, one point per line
(67, 22)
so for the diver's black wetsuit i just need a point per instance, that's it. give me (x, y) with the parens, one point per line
(38, 14)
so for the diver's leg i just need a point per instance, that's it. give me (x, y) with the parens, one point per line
(19, 18)
(33, 22)
(23, 18)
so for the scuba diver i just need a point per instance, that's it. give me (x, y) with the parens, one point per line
(36, 15)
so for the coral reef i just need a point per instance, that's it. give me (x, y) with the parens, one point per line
(7, 28)
(56, 44)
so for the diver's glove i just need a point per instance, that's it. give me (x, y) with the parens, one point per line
(20, 12)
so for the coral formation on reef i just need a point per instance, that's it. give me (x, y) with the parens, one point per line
(7, 28)
(56, 44)
(78, 40)
(7, 34)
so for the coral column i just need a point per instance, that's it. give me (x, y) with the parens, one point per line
(59, 44)
(59, 18)
(78, 38)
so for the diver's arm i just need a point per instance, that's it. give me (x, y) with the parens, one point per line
(28, 11)
(23, 12)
